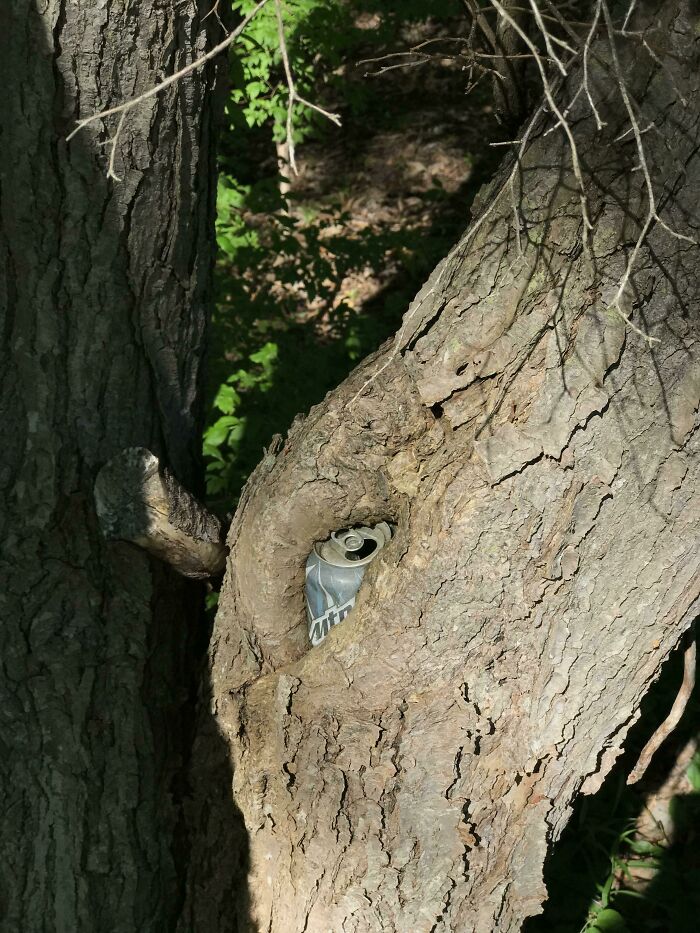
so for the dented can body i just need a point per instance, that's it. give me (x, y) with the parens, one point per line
(334, 572)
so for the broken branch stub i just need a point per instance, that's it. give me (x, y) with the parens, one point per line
(139, 501)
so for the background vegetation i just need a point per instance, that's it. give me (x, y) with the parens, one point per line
(313, 278)
(316, 270)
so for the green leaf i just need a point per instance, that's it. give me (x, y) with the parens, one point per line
(642, 847)
(243, 379)
(610, 921)
(220, 430)
(255, 89)
(226, 245)
(266, 354)
(211, 600)
(215, 454)
(693, 772)
(237, 431)
(227, 399)
(605, 891)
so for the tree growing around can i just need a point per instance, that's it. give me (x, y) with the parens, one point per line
(531, 431)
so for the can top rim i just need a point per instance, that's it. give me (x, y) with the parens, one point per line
(336, 551)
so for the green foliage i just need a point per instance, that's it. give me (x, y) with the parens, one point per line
(222, 439)
(694, 772)
(320, 36)
(232, 233)
(312, 28)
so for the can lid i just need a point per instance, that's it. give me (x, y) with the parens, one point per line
(354, 547)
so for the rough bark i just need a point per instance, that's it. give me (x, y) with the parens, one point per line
(103, 302)
(541, 463)
(138, 500)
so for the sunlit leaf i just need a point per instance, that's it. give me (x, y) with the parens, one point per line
(226, 399)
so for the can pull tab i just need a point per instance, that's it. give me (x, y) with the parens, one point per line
(355, 544)
(348, 540)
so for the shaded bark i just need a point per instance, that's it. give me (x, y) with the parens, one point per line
(103, 293)
(541, 464)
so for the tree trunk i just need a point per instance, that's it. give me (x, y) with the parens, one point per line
(103, 294)
(540, 461)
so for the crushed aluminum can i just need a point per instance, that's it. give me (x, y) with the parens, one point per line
(334, 571)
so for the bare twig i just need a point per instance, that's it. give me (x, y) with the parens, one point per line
(549, 95)
(652, 215)
(477, 14)
(549, 39)
(113, 149)
(601, 10)
(630, 11)
(586, 52)
(673, 718)
(565, 24)
(215, 13)
(414, 63)
(470, 54)
(585, 84)
(662, 64)
(460, 40)
(128, 105)
(294, 96)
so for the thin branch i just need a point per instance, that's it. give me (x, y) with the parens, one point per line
(477, 14)
(576, 164)
(662, 64)
(471, 55)
(294, 96)
(415, 49)
(585, 84)
(549, 39)
(652, 215)
(630, 11)
(215, 12)
(113, 149)
(673, 718)
(630, 129)
(415, 63)
(124, 108)
(586, 52)
(565, 24)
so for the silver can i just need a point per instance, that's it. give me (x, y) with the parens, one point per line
(334, 571)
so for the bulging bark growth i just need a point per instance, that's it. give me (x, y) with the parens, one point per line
(102, 298)
(541, 463)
